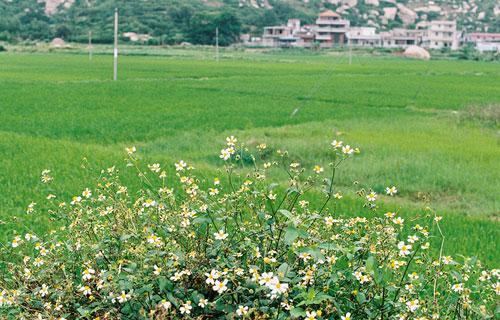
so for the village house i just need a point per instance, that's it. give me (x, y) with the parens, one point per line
(440, 34)
(282, 36)
(401, 38)
(331, 29)
(484, 42)
(363, 37)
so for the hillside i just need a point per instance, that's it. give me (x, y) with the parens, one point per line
(175, 21)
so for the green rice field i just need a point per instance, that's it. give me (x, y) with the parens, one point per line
(431, 128)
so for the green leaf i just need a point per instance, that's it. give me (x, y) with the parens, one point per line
(164, 284)
(291, 233)
(201, 220)
(284, 268)
(320, 297)
(297, 312)
(286, 213)
(311, 294)
(371, 264)
(361, 297)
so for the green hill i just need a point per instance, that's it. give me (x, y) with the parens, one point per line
(175, 21)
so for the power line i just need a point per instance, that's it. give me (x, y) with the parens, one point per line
(328, 73)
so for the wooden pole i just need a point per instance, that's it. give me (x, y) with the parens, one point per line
(115, 51)
(217, 44)
(90, 45)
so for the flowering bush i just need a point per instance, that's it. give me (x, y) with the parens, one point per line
(238, 246)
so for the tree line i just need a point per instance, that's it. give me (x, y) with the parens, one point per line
(167, 21)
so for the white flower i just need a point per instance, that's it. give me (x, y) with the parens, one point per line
(231, 141)
(329, 221)
(131, 150)
(310, 315)
(180, 166)
(413, 305)
(87, 193)
(447, 259)
(458, 287)
(318, 169)
(412, 239)
(155, 167)
(362, 278)
(87, 274)
(203, 303)
(242, 310)
(157, 270)
(391, 190)
(31, 208)
(16, 241)
(265, 278)
(220, 235)
(38, 262)
(166, 304)
(331, 259)
(44, 290)
(347, 149)
(304, 256)
(149, 203)
(186, 308)
(220, 287)
(225, 154)
(346, 317)
(496, 288)
(123, 297)
(85, 290)
(75, 200)
(404, 249)
(413, 276)
(372, 196)
(398, 221)
(277, 287)
(336, 144)
(46, 178)
(212, 276)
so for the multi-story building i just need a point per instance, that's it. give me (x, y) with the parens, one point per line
(363, 37)
(440, 34)
(483, 41)
(331, 29)
(274, 35)
(401, 38)
(282, 36)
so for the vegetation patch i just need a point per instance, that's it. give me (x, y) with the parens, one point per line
(236, 246)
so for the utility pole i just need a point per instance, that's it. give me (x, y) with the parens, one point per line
(90, 45)
(115, 52)
(350, 50)
(217, 44)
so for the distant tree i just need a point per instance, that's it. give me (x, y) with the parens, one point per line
(62, 31)
(229, 28)
(203, 25)
(201, 29)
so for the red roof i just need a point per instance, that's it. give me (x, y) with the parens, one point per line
(329, 13)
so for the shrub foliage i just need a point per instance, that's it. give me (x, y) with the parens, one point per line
(235, 246)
